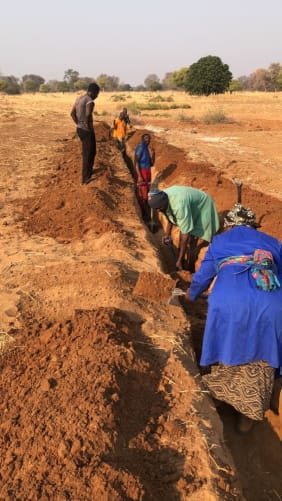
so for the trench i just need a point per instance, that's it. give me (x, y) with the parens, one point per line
(132, 460)
(257, 456)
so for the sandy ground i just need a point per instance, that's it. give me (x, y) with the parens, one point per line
(101, 395)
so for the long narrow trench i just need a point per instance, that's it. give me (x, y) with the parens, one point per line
(257, 456)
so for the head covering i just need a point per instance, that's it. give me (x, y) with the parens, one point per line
(240, 216)
(157, 199)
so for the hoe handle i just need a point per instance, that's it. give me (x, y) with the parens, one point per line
(239, 185)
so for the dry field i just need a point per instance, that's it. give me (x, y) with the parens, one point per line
(101, 397)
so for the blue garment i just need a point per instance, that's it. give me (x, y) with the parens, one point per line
(144, 157)
(244, 323)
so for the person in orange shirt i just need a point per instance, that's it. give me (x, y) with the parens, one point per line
(119, 132)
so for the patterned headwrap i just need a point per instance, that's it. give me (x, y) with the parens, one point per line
(240, 216)
(157, 199)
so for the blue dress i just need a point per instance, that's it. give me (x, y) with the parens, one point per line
(244, 323)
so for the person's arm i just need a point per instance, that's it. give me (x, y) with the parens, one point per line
(203, 277)
(137, 155)
(73, 114)
(183, 242)
(89, 117)
(167, 236)
(139, 177)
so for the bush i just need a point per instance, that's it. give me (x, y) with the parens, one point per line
(215, 117)
(136, 108)
(118, 97)
(185, 118)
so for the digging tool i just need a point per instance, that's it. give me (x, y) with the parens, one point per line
(153, 227)
(176, 292)
(169, 243)
(238, 183)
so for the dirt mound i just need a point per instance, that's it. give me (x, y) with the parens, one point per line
(75, 412)
(87, 412)
(153, 286)
(61, 212)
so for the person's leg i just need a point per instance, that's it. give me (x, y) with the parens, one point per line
(84, 136)
(145, 187)
(192, 253)
(92, 153)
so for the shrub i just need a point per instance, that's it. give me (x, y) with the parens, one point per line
(215, 117)
(118, 97)
(185, 118)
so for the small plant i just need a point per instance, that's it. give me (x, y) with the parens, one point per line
(215, 117)
(185, 118)
(103, 113)
(118, 97)
(156, 99)
(134, 108)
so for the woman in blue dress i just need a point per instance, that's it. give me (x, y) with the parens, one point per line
(243, 334)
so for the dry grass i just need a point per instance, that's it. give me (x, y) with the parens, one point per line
(240, 106)
(5, 341)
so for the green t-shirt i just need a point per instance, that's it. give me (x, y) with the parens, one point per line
(193, 211)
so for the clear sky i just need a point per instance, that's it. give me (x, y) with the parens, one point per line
(131, 39)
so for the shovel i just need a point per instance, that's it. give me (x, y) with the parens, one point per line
(153, 227)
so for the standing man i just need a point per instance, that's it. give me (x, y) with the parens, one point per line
(82, 115)
(193, 211)
(119, 132)
(144, 159)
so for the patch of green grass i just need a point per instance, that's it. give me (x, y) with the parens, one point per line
(161, 99)
(136, 108)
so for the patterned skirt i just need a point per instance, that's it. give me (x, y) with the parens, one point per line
(246, 387)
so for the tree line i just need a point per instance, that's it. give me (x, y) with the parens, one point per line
(209, 75)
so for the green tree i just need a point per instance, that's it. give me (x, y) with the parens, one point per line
(44, 88)
(279, 80)
(70, 77)
(30, 86)
(235, 86)
(244, 80)
(82, 84)
(125, 87)
(274, 70)
(53, 85)
(208, 76)
(63, 86)
(10, 85)
(152, 82)
(107, 82)
(31, 83)
(180, 77)
(168, 81)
